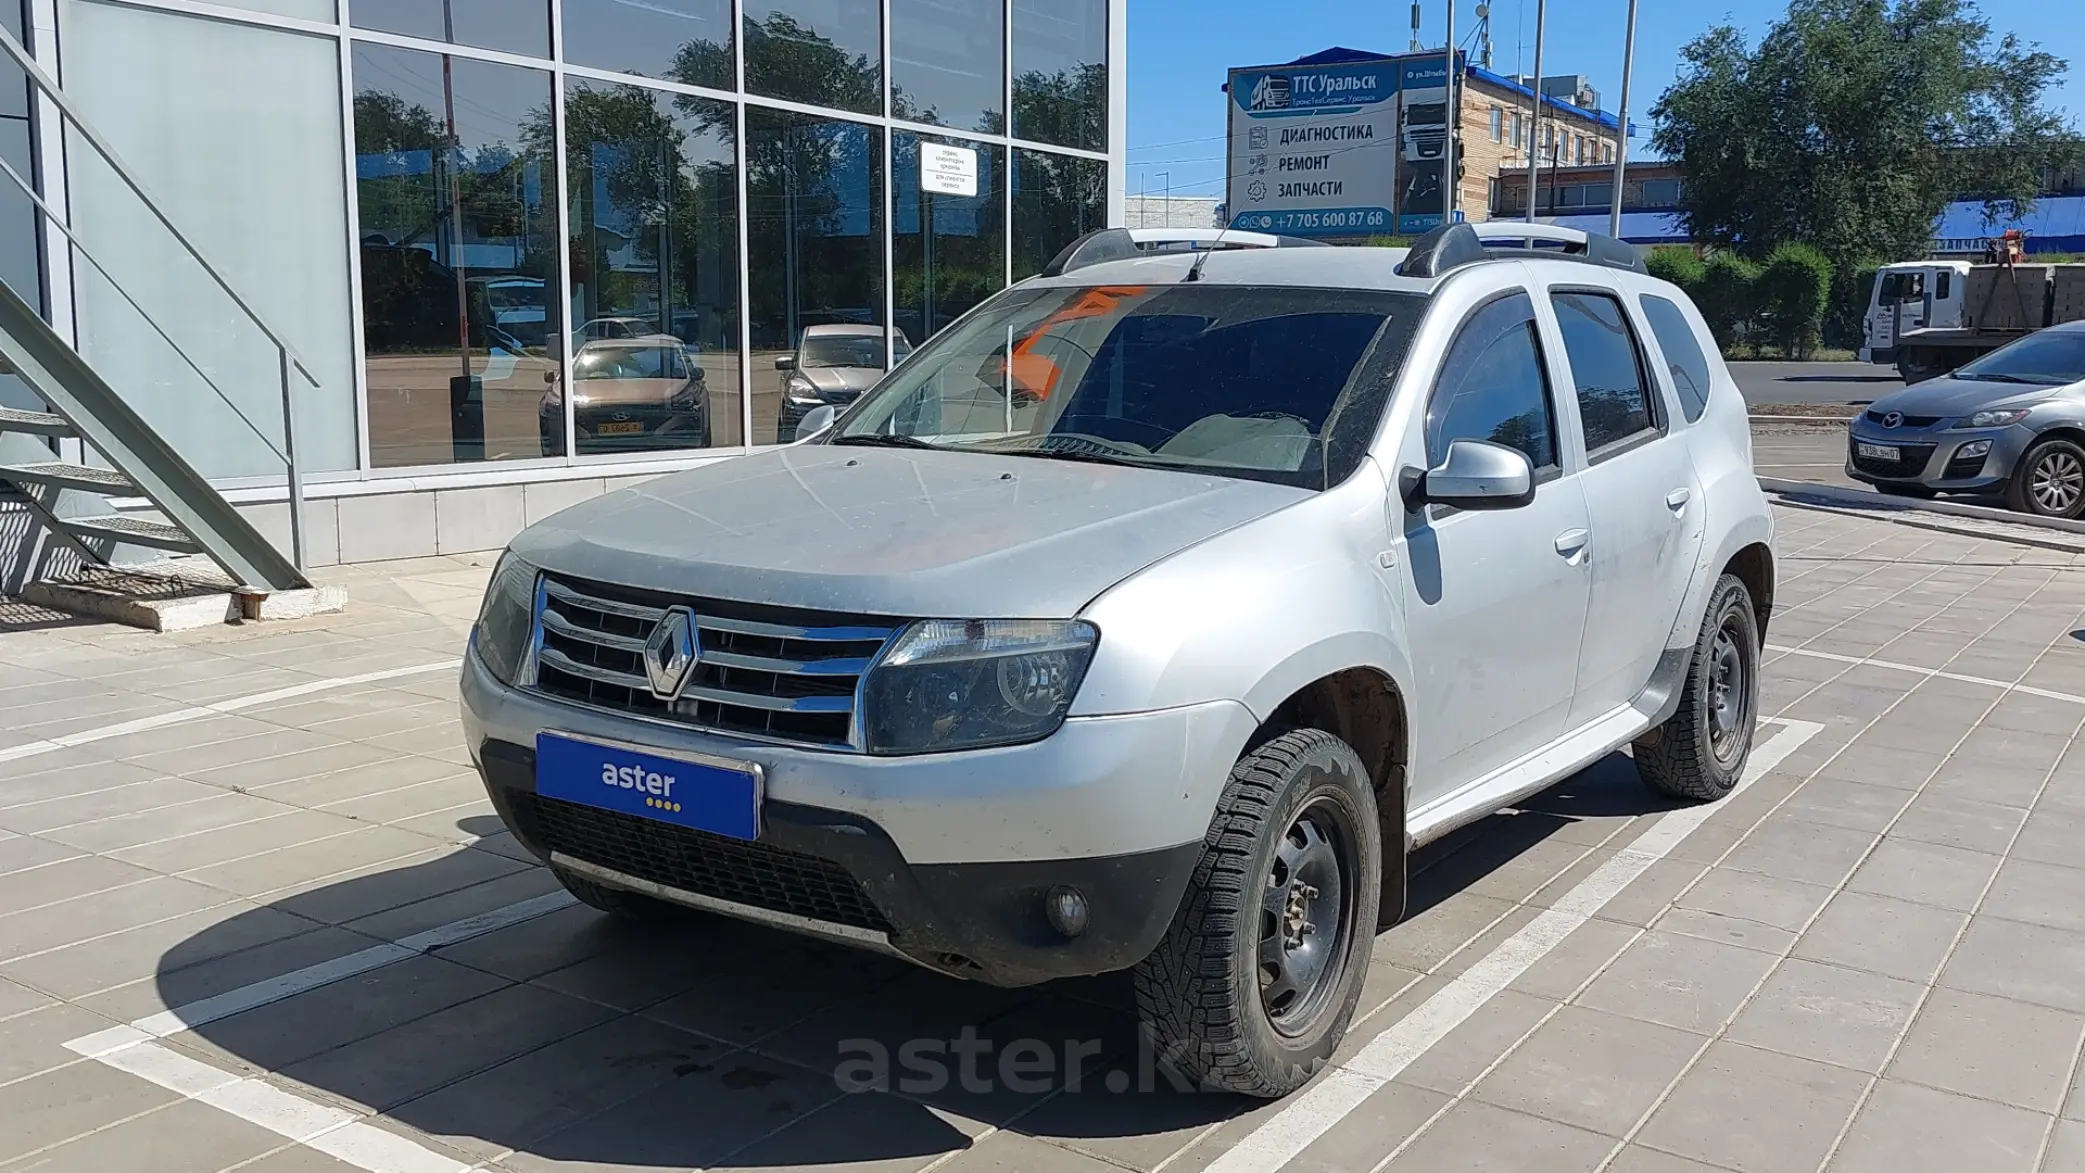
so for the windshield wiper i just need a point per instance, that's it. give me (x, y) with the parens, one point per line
(2003, 378)
(1076, 455)
(878, 440)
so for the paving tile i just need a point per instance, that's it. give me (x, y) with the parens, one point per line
(1427, 939)
(551, 1088)
(550, 942)
(113, 911)
(1797, 849)
(1890, 937)
(259, 875)
(1729, 930)
(18, 999)
(1828, 1013)
(69, 1102)
(1755, 1111)
(1954, 821)
(1590, 1069)
(1011, 1152)
(1925, 873)
(1638, 1159)
(2038, 893)
(1875, 762)
(184, 1137)
(214, 962)
(409, 893)
(1857, 806)
(2051, 836)
(1678, 981)
(2008, 959)
(290, 767)
(1905, 1128)
(388, 772)
(19, 853)
(805, 978)
(1557, 976)
(1480, 1138)
(2066, 1148)
(153, 794)
(281, 1033)
(1650, 894)
(693, 1121)
(873, 1133)
(1753, 896)
(289, 827)
(65, 880)
(35, 1042)
(409, 1060)
(1456, 1061)
(1992, 1048)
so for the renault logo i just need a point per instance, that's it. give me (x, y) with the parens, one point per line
(670, 654)
(1894, 419)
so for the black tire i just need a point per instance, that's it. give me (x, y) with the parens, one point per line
(1699, 753)
(1918, 492)
(618, 902)
(1201, 991)
(2049, 481)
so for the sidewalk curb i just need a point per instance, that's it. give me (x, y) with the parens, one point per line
(1904, 511)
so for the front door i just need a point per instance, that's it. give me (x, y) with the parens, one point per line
(1495, 600)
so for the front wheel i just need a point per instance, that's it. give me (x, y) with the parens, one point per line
(1699, 753)
(1255, 982)
(2049, 481)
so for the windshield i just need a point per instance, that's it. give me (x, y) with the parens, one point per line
(1282, 384)
(842, 350)
(1427, 114)
(624, 362)
(2052, 358)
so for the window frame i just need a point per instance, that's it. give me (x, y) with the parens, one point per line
(1558, 439)
(1653, 393)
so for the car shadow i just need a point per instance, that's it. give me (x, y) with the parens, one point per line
(574, 1037)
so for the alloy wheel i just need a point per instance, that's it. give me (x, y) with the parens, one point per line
(2056, 482)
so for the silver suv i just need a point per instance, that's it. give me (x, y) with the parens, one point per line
(1148, 617)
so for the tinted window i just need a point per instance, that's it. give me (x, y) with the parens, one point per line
(1060, 58)
(1057, 199)
(1941, 284)
(825, 52)
(948, 63)
(1494, 387)
(1688, 366)
(1606, 368)
(686, 41)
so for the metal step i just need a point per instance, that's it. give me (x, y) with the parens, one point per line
(132, 531)
(33, 423)
(105, 481)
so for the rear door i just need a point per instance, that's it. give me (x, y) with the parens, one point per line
(1643, 498)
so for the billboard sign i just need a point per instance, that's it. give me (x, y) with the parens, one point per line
(1337, 150)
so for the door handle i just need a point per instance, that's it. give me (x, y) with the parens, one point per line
(1572, 543)
(1677, 500)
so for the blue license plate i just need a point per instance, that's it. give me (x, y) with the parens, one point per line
(708, 795)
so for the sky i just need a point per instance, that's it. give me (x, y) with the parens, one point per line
(1181, 50)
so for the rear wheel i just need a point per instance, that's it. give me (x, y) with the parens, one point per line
(2049, 481)
(1700, 751)
(1255, 982)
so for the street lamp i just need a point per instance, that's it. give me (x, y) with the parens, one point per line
(1621, 136)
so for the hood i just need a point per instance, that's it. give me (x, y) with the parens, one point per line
(841, 383)
(607, 393)
(1949, 396)
(893, 532)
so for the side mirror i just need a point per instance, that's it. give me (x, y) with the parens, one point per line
(817, 422)
(550, 376)
(1476, 474)
(785, 362)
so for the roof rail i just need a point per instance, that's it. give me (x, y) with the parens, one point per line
(1452, 246)
(1121, 244)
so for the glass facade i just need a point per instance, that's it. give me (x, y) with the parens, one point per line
(570, 231)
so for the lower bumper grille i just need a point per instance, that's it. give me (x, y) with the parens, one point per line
(722, 868)
(1963, 467)
(1910, 462)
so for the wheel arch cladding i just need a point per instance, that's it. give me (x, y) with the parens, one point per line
(1754, 566)
(1363, 707)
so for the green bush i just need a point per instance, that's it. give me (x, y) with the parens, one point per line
(1791, 295)
(1727, 297)
(1677, 264)
(1846, 321)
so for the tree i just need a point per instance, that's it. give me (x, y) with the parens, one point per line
(1853, 124)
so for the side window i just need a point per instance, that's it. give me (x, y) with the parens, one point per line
(1940, 285)
(1493, 386)
(1614, 400)
(1683, 355)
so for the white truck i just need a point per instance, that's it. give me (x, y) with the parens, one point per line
(1422, 123)
(1911, 295)
(1993, 304)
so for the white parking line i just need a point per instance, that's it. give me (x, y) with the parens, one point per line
(1315, 1110)
(1936, 673)
(213, 709)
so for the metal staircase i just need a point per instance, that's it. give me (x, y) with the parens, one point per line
(84, 406)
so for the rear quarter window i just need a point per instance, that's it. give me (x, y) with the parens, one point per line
(1685, 362)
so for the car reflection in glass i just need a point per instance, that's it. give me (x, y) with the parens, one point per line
(832, 366)
(631, 393)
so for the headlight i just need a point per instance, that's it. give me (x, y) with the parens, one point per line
(964, 684)
(1996, 419)
(506, 618)
(799, 387)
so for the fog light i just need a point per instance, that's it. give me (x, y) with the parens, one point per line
(1066, 908)
(1974, 448)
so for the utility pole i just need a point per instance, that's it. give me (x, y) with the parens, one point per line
(1535, 108)
(1621, 136)
(1448, 182)
(1167, 176)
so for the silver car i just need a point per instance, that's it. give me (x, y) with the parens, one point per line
(831, 366)
(1148, 617)
(2010, 422)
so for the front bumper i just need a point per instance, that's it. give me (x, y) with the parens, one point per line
(1930, 458)
(943, 858)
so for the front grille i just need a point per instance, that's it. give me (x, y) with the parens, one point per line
(760, 671)
(754, 874)
(1910, 462)
(1909, 421)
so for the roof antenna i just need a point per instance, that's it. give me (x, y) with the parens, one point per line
(1194, 271)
